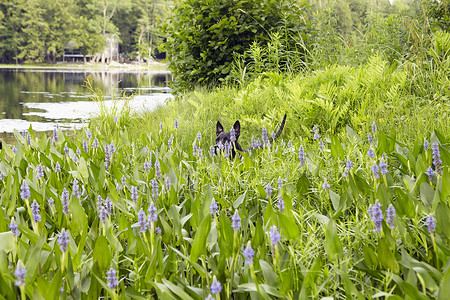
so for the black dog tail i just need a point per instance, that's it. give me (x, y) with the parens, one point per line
(277, 134)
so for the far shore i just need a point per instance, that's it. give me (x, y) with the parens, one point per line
(154, 65)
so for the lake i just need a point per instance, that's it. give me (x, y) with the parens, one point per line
(44, 98)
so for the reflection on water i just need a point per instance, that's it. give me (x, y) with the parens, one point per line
(46, 97)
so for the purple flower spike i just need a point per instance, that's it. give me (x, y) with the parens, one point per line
(157, 169)
(280, 183)
(141, 221)
(63, 240)
(66, 150)
(35, 211)
(75, 189)
(375, 170)
(431, 224)
(199, 136)
(370, 153)
(216, 287)
(425, 145)
(147, 166)
(95, 144)
(85, 146)
(430, 172)
(370, 138)
(55, 135)
(25, 191)
(274, 235)
(65, 201)
(14, 228)
(57, 167)
(236, 219)
(20, 273)
(111, 277)
(88, 134)
(155, 188)
(374, 128)
(39, 171)
(437, 162)
(108, 206)
(175, 123)
(248, 254)
(102, 214)
(153, 216)
(376, 215)
(301, 156)
(326, 186)
(268, 190)
(383, 168)
(349, 164)
(124, 180)
(134, 194)
(213, 208)
(280, 203)
(390, 215)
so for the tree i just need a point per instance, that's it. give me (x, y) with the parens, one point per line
(202, 35)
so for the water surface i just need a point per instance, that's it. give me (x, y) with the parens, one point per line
(44, 98)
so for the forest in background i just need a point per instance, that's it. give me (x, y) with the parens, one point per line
(37, 31)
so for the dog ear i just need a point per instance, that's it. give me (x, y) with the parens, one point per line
(237, 129)
(219, 128)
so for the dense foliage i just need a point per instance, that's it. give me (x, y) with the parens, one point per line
(348, 216)
(204, 36)
(38, 31)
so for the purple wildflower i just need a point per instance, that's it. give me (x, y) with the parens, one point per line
(212, 151)
(24, 134)
(14, 150)
(57, 167)
(375, 170)
(248, 254)
(111, 277)
(175, 123)
(326, 186)
(425, 145)
(65, 201)
(253, 143)
(437, 162)
(383, 167)
(85, 146)
(268, 190)
(216, 287)
(66, 150)
(301, 156)
(55, 135)
(99, 202)
(51, 202)
(430, 172)
(155, 188)
(124, 180)
(265, 139)
(370, 138)
(116, 119)
(147, 166)
(78, 151)
(157, 169)
(35, 211)
(160, 125)
(370, 153)
(39, 172)
(112, 148)
(63, 240)
(107, 157)
(213, 208)
(390, 215)
(25, 191)
(29, 139)
(236, 221)
(274, 235)
(88, 134)
(141, 221)
(152, 215)
(14, 228)
(2, 176)
(376, 215)
(321, 145)
(75, 189)
(168, 183)
(431, 224)
(280, 203)
(102, 214)
(75, 159)
(20, 273)
(134, 194)
(349, 164)
(280, 183)
(199, 136)
(95, 144)
(108, 206)
(374, 127)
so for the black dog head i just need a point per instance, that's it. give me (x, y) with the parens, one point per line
(223, 139)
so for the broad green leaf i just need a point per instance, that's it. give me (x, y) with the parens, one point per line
(199, 244)
(102, 253)
(443, 218)
(288, 226)
(333, 245)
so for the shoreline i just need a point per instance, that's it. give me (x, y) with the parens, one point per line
(154, 65)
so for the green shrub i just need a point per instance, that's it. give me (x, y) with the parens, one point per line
(204, 35)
